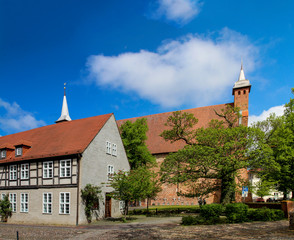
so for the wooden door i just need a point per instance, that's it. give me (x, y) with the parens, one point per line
(108, 207)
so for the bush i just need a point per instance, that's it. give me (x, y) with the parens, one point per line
(211, 212)
(265, 214)
(236, 212)
(196, 220)
(5, 209)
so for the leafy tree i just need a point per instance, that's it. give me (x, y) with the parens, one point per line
(134, 136)
(123, 189)
(90, 196)
(5, 209)
(279, 135)
(212, 158)
(263, 188)
(137, 184)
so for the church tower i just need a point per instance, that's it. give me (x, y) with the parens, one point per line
(241, 92)
(64, 112)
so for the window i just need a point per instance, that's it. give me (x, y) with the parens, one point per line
(108, 147)
(3, 153)
(47, 169)
(64, 203)
(110, 172)
(24, 171)
(122, 206)
(65, 168)
(47, 202)
(18, 151)
(13, 172)
(114, 149)
(12, 199)
(3, 196)
(24, 202)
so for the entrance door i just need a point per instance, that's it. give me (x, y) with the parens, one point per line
(108, 207)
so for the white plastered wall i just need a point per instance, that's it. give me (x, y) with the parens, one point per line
(94, 162)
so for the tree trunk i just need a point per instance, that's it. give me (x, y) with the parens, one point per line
(284, 195)
(147, 204)
(228, 189)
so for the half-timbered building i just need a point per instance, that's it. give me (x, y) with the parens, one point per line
(43, 170)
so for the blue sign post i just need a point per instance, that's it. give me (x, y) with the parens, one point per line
(244, 192)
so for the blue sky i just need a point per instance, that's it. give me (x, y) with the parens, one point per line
(136, 58)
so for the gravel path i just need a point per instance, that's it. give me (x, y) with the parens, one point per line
(151, 228)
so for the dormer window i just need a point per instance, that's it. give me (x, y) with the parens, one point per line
(3, 153)
(18, 151)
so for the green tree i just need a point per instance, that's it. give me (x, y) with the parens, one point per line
(133, 135)
(5, 209)
(213, 156)
(90, 196)
(135, 185)
(279, 135)
(263, 188)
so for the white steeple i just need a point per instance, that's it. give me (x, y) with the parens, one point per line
(64, 112)
(242, 81)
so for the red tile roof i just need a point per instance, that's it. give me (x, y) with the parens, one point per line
(157, 144)
(64, 138)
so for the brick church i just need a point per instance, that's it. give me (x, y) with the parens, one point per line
(160, 148)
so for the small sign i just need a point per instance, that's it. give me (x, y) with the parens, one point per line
(245, 191)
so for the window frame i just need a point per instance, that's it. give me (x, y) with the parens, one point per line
(3, 153)
(18, 151)
(13, 170)
(24, 173)
(110, 172)
(24, 202)
(48, 169)
(47, 203)
(3, 195)
(12, 201)
(64, 203)
(114, 149)
(108, 147)
(63, 169)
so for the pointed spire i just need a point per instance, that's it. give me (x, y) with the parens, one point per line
(64, 112)
(242, 75)
(242, 81)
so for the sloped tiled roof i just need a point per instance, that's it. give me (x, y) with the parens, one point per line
(157, 144)
(64, 138)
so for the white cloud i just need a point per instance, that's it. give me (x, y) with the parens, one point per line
(277, 110)
(15, 119)
(195, 70)
(179, 11)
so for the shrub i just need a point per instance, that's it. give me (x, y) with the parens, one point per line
(265, 214)
(196, 220)
(5, 209)
(90, 197)
(211, 212)
(236, 212)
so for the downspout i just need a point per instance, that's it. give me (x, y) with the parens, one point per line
(78, 188)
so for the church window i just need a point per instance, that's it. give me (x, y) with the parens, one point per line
(239, 92)
(244, 91)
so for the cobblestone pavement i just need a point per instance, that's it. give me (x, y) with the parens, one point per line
(256, 230)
